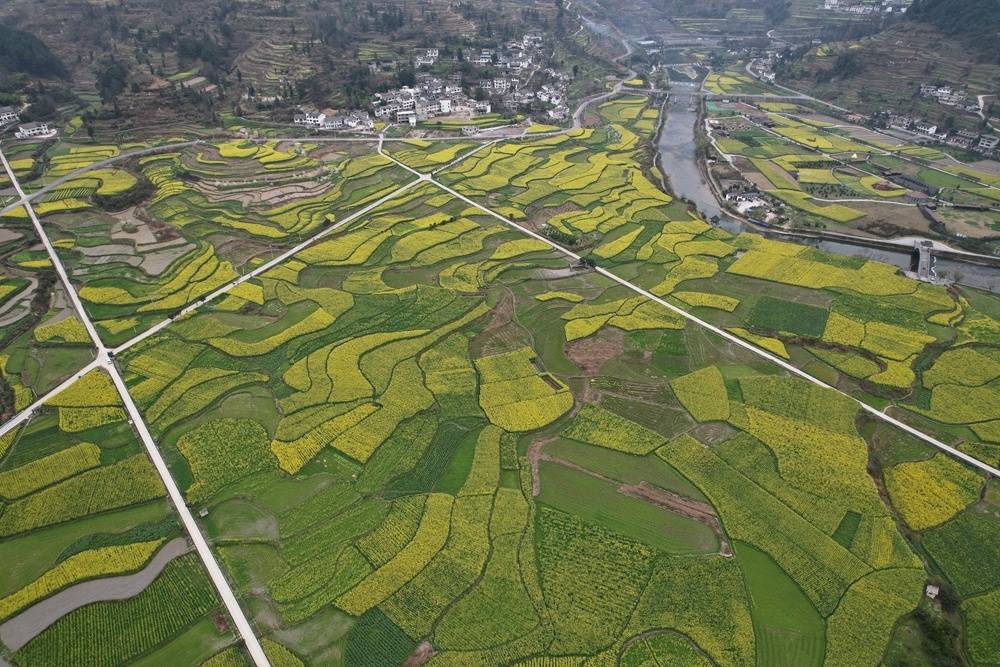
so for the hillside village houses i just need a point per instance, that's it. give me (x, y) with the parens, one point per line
(985, 144)
(953, 98)
(8, 115)
(331, 120)
(861, 7)
(37, 129)
(431, 96)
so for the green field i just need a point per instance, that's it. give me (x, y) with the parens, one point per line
(425, 429)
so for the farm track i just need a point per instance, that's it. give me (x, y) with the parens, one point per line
(676, 503)
(105, 361)
(21, 629)
(729, 337)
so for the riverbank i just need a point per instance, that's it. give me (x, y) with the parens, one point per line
(688, 179)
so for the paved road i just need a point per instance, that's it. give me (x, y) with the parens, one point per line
(76, 173)
(27, 625)
(731, 338)
(270, 264)
(106, 362)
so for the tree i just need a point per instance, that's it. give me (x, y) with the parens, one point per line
(111, 81)
(21, 51)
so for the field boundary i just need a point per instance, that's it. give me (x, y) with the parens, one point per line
(729, 337)
(106, 362)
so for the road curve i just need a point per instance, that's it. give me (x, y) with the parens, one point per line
(106, 361)
(27, 625)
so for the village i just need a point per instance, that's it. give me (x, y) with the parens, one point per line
(867, 8)
(510, 79)
(41, 130)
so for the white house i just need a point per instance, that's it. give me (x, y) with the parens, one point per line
(39, 129)
(310, 119)
(425, 57)
(8, 116)
(987, 142)
(925, 127)
(485, 57)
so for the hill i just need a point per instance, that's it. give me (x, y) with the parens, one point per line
(885, 70)
(975, 23)
(23, 53)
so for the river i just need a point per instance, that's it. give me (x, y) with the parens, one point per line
(678, 161)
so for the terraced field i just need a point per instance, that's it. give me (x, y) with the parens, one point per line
(477, 424)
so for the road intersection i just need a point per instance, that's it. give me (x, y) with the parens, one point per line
(105, 358)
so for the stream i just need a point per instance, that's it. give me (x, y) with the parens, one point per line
(676, 146)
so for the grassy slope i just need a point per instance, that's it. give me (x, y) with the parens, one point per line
(896, 61)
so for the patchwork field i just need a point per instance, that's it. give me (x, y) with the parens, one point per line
(827, 173)
(85, 515)
(456, 429)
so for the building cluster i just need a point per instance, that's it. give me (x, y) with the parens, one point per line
(552, 95)
(31, 130)
(328, 119)
(985, 144)
(947, 96)
(515, 56)
(7, 116)
(867, 7)
(430, 97)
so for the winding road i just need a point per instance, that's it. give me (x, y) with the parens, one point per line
(105, 361)
(21, 629)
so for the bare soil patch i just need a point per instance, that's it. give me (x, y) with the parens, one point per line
(591, 353)
(420, 655)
